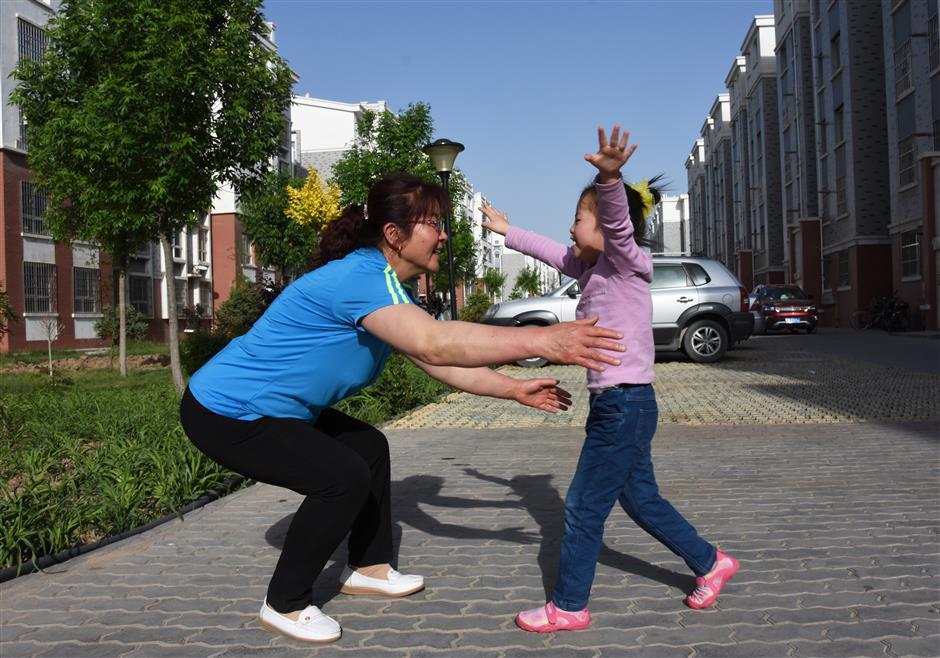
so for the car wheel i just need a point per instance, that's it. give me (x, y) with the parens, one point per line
(535, 361)
(705, 341)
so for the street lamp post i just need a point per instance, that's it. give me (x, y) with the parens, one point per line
(443, 153)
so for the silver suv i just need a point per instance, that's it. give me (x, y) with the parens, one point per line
(699, 307)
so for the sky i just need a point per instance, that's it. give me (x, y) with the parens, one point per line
(524, 85)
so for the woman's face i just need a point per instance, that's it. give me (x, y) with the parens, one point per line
(586, 234)
(421, 251)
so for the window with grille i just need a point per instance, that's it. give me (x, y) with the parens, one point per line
(845, 279)
(85, 284)
(205, 298)
(33, 200)
(903, 76)
(39, 287)
(936, 134)
(838, 125)
(907, 173)
(910, 253)
(31, 40)
(140, 294)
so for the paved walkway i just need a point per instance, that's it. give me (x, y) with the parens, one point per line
(837, 526)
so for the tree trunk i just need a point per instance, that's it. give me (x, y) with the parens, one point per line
(175, 368)
(122, 325)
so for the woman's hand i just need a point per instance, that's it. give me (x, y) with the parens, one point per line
(544, 394)
(578, 342)
(611, 155)
(495, 220)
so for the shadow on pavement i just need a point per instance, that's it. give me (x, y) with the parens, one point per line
(535, 494)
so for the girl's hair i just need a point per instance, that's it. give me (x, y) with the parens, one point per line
(638, 214)
(399, 198)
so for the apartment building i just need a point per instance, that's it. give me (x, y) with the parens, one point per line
(58, 290)
(55, 289)
(839, 192)
(912, 104)
(670, 225)
(719, 166)
(802, 256)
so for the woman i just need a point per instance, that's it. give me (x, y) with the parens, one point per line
(261, 406)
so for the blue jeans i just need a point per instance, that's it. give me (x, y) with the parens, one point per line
(616, 465)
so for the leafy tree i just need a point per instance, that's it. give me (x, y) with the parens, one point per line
(109, 326)
(476, 306)
(387, 143)
(236, 314)
(315, 203)
(6, 311)
(139, 110)
(493, 281)
(279, 239)
(527, 283)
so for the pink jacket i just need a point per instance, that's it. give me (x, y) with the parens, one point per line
(616, 289)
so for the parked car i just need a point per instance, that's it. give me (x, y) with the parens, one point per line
(782, 307)
(699, 307)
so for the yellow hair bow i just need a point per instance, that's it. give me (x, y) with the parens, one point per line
(643, 189)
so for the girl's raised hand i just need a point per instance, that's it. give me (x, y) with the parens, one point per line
(495, 220)
(611, 155)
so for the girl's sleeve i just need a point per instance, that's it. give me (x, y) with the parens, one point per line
(546, 250)
(620, 247)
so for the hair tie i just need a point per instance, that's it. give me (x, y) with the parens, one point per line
(646, 197)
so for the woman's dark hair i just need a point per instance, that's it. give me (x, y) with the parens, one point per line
(635, 203)
(399, 198)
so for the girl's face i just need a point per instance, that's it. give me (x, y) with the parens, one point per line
(586, 234)
(420, 252)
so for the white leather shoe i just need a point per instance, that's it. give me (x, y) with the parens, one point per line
(312, 625)
(396, 584)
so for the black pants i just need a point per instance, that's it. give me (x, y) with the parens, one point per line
(339, 463)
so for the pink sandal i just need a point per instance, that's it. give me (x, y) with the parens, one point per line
(708, 587)
(549, 619)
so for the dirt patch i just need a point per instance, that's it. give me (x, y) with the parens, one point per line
(134, 361)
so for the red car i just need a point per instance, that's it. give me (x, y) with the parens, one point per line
(783, 307)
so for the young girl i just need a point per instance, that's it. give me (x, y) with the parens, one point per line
(614, 272)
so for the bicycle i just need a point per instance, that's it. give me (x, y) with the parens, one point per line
(887, 313)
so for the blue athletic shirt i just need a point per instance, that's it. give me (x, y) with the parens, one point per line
(308, 351)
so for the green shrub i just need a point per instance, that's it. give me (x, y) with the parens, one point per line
(199, 347)
(476, 306)
(109, 326)
(237, 313)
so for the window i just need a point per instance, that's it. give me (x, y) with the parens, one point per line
(907, 173)
(31, 40)
(33, 203)
(179, 241)
(205, 298)
(841, 200)
(834, 54)
(39, 286)
(845, 280)
(827, 273)
(85, 288)
(698, 274)
(245, 251)
(910, 254)
(903, 77)
(838, 125)
(182, 295)
(668, 276)
(202, 248)
(140, 294)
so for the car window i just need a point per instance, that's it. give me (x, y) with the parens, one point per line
(669, 276)
(698, 274)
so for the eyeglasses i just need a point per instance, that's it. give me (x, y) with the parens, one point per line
(436, 224)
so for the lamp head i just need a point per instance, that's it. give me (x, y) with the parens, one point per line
(443, 153)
